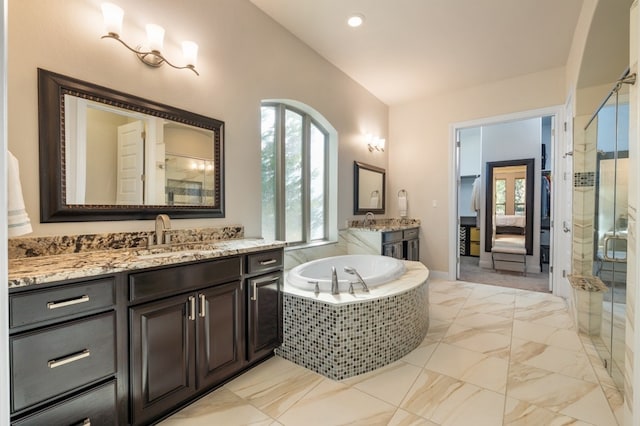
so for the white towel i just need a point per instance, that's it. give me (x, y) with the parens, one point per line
(402, 205)
(18, 220)
(373, 202)
(475, 194)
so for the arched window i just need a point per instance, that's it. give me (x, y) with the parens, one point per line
(295, 175)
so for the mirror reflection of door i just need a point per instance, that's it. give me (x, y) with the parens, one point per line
(130, 163)
(119, 157)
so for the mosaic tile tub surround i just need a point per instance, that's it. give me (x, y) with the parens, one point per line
(341, 340)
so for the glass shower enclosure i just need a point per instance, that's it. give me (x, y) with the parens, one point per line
(610, 129)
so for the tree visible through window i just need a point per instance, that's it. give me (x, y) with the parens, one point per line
(501, 196)
(294, 175)
(520, 202)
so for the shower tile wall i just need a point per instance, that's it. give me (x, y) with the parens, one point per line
(584, 196)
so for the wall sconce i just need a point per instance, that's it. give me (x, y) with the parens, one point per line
(375, 144)
(152, 56)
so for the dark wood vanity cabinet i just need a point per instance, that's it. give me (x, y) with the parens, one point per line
(402, 244)
(64, 361)
(264, 287)
(134, 347)
(184, 344)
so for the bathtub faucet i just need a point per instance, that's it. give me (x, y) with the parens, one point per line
(334, 281)
(352, 271)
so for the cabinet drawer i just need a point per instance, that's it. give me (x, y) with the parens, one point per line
(410, 234)
(68, 299)
(390, 237)
(61, 358)
(475, 234)
(474, 248)
(265, 261)
(95, 407)
(178, 279)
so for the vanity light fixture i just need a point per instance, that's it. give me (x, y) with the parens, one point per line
(375, 143)
(150, 55)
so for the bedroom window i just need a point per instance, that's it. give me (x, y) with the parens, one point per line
(294, 175)
(501, 197)
(520, 205)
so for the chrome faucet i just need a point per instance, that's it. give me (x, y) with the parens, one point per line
(163, 223)
(334, 281)
(352, 271)
(369, 219)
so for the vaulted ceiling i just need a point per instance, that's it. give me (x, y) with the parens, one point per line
(410, 49)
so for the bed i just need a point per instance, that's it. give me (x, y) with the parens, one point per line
(508, 246)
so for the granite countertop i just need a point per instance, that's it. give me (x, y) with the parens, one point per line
(383, 228)
(46, 269)
(384, 225)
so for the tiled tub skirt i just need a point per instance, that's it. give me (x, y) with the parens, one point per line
(344, 340)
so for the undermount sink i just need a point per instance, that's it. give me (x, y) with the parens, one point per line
(178, 250)
(174, 253)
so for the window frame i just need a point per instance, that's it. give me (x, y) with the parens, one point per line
(280, 184)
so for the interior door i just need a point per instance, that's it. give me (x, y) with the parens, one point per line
(130, 163)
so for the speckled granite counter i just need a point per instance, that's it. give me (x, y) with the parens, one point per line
(46, 269)
(384, 225)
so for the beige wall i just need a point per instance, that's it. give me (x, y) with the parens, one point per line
(420, 139)
(244, 57)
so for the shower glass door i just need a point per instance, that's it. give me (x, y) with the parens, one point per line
(611, 127)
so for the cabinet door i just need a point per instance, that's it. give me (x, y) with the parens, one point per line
(393, 250)
(265, 315)
(220, 344)
(413, 250)
(162, 357)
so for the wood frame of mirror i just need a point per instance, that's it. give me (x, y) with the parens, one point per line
(529, 163)
(357, 209)
(52, 89)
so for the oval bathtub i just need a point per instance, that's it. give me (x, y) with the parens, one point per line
(374, 269)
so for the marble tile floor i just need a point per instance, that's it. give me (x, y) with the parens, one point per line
(492, 356)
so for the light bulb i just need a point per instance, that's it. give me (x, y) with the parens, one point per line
(112, 16)
(190, 52)
(155, 36)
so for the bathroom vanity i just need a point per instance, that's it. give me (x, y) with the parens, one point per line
(154, 331)
(399, 238)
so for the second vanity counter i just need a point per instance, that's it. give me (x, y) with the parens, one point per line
(47, 269)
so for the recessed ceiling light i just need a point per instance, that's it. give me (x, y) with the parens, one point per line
(355, 20)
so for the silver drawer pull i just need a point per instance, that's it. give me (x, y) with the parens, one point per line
(56, 305)
(71, 358)
(254, 298)
(268, 262)
(192, 308)
(203, 306)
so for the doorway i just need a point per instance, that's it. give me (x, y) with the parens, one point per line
(510, 138)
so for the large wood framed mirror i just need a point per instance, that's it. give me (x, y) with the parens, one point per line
(108, 155)
(368, 189)
(510, 194)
